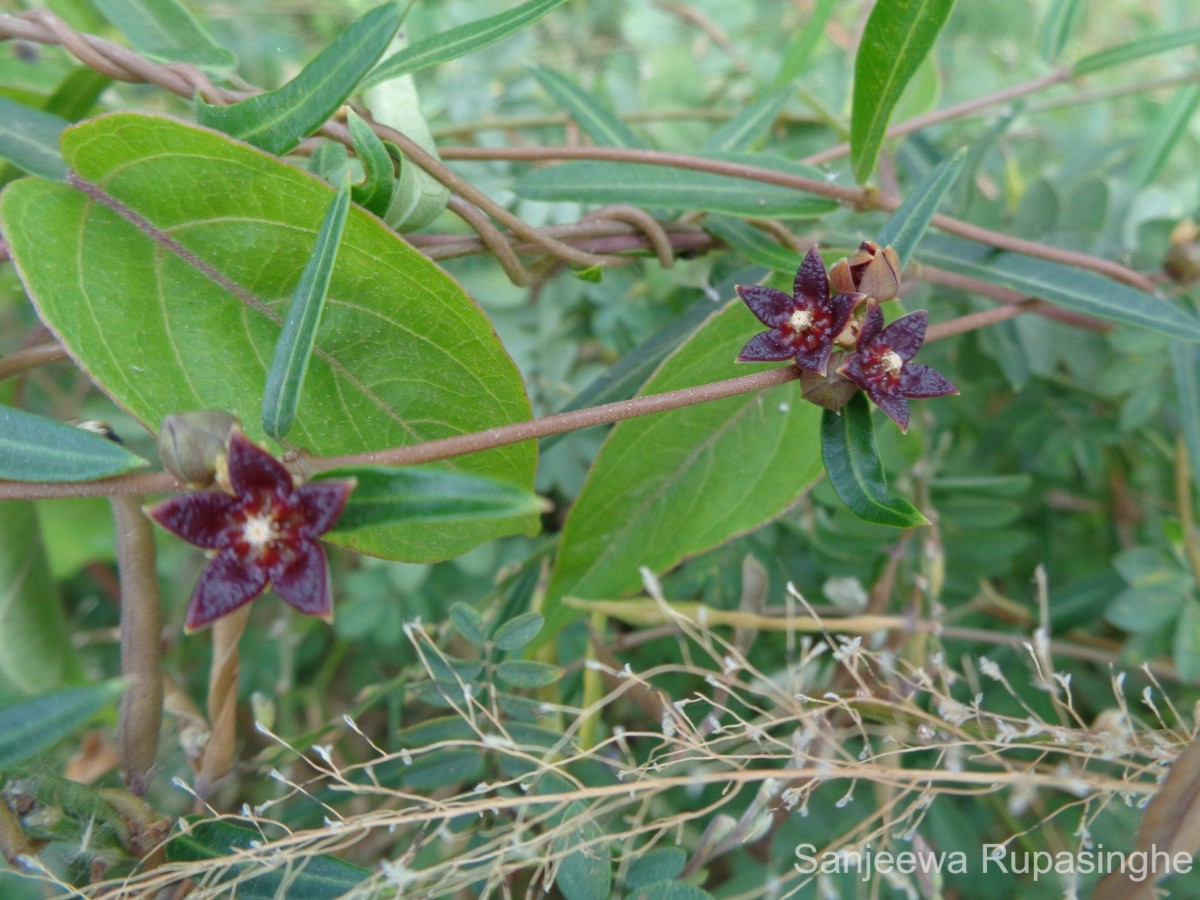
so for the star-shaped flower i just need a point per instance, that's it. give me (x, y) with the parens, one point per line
(802, 327)
(264, 532)
(880, 364)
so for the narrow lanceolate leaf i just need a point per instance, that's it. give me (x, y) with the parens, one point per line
(1061, 285)
(1185, 361)
(754, 244)
(36, 449)
(898, 36)
(285, 379)
(1171, 125)
(909, 223)
(391, 496)
(745, 128)
(166, 31)
(207, 323)
(662, 186)
(31, 726)
(321, 877)
(799, 51)
(669, 486)
(278, 120)
(597, 121)
(854, 469)
(462, 40)
(29, 139)
(1147, 46)
(379, 171)
(1057, 27)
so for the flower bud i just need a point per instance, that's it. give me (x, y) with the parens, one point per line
(829, 391)
(872, 270)
(191, 443)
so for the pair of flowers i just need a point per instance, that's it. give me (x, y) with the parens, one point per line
(807, 326)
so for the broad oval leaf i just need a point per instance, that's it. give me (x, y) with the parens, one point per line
(852, 462)
(462, 40)
(164, 30)
(908, 224)
(29, 139)
(31, 726)
(597, 121)
(1061, 285)
(278, 120)
(527, 673)
(585, 872)
(518, 631)
(388, 496)
(400, 347)
(285, 378)
(302, 877)
(590, 181)
(669, 486)
(33, 448)
(895, 41)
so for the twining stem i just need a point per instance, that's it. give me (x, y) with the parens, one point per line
(30, 358)
(222, 702)
(141, 644)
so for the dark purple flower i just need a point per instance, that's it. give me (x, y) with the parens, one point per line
(264, 532)
(802, 327)
(880, 364)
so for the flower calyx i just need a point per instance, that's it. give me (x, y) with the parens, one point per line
(262, 531)
(872, 270)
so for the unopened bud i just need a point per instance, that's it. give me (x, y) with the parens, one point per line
(829, 391)
(872, 270)
(191, 443)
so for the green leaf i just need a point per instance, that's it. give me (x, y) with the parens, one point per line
(36, 449)
(591, 181)
(852, 462)
(518, 631)
(908, 224)
(379, 171)
(753, 244)
(669, 486)
(390, 495)
(799, 50)
(660, 864)
(165, 31)
(1148, 46)
(527, 673)
(1164, 134)
(462, 40)
(1065, 286)
(468, 623)
(585, 873)
(124, 306)
(671, 890)
(77, 93)
(278, 120)
(1140, 610)
(1187, 643)
(36, 654)
(895, 41)
(29, 139)
(31, 726)
(285, 379)
(743, 129)
(1056, 28)
(1185, 362)
(301, 878)
(597, 121)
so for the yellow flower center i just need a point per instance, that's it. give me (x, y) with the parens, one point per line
(891, 362)
(800, 321)
(259, 531)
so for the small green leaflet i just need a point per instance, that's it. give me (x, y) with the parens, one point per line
(897, 37)
(391, 495)
(460, 41)
(295, 346)
(29, 140)
(597, 121)
(36, 449)
(278, 120)
(31, 726)
(909, 223)
(164, 30)
(854, 469)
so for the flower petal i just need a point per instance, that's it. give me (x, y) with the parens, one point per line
(322, 502)
(894, 405)
(917, 380)
(303, 582)
(765, 348)
(253, 470)
(811, 284)
(199, 519)
(229, 582)
(871, 326)
(772, 307)
(906, 334)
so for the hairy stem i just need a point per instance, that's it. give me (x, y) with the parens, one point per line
(31, 358)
